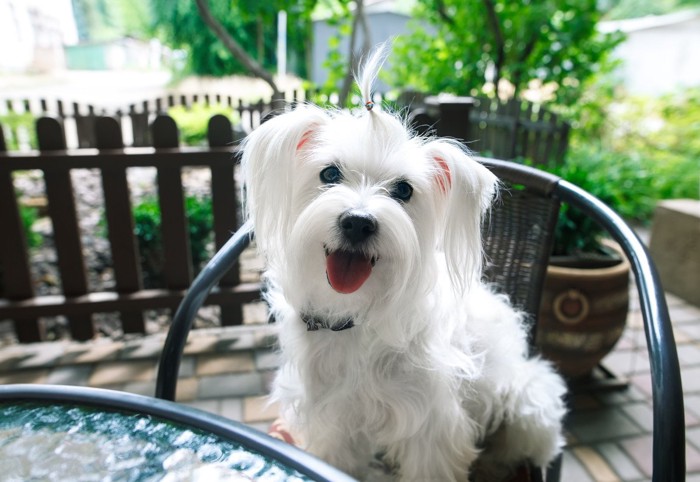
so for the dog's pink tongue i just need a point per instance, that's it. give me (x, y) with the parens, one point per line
(347, 271)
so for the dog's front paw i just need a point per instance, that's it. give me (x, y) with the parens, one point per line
(533, 418)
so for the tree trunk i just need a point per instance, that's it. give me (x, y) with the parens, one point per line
(236, 50)
(359, 19)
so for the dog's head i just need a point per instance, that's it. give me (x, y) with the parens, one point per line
(352, 208)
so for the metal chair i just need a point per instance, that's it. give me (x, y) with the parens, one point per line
(517, 239)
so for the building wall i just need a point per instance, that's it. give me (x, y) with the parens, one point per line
(660, 55)
(382, 26)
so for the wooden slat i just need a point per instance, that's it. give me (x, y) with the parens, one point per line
(66, 232)
(109, 301)
(177, 267)
(14, 260)
(139, 126)
(120, 224)
(225, 209)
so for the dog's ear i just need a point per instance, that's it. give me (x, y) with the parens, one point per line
(271, 155)
(465, 189)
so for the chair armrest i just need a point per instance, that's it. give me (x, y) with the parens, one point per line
(215, 269)
(667, 391)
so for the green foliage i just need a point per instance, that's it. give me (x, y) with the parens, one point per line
(550, 41)
(147, 222)
(622, 182)
(663, 134)
(630, 152)
(101, 20)
(12, 123)
(252, 23)
(29, 215)
(193, 121)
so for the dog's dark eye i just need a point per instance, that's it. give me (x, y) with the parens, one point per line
(402, 191)
(331, 175)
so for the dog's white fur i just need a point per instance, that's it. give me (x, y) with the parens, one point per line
(435, 371)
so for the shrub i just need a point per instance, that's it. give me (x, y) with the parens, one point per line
(13, 123)
(621, 182)
(29, 216)
(192, 121)
(147, 226)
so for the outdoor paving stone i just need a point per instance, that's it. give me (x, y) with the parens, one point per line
(625, 362)
(673, 300)
(596, 465)
(122, 372)
(200, 344)
(681, 337)
(204, 405)
(255, 313)
(692, 458)
(259, 409)
(70, 375)
(150, 347)
(10, 356)
(267, 359)
(36, 375)
(642, 382)
(186, 389)
(232, 385)
(688, 354)
(572, 469)
(641, 413)
(601, 425)
(268, 377)
(692, 404)
(619, 461)
(42, 355)
(619, 397)
(640, 451)
(231, 408)
(693, 435)
(263, 427)
(217, 364)
(690, 330)
(186, 367)
(691, 379)
(147, 388)
(685, 314)
(92, 352)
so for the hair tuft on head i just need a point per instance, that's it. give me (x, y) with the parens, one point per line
(369, 72)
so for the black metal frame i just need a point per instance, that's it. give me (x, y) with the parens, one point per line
(667, 392)
(230, 430)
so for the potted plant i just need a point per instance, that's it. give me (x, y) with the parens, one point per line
(586, 291)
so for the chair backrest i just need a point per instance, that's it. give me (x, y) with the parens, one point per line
(518, 235)
(518, 239)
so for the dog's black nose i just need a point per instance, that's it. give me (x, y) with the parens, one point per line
(357, 227)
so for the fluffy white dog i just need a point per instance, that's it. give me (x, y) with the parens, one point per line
(392, 348)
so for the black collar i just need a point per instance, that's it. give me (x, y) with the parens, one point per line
(313, 323)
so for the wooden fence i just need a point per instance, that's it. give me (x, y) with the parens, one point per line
(509, 130)
(19, 302)
(17, 116)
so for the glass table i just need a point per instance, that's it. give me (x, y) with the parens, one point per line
(50, 432)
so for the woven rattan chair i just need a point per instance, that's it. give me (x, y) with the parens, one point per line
(518, 239)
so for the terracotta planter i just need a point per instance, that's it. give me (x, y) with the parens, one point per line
(583, 312)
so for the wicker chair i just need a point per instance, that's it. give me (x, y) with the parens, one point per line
(518, 239)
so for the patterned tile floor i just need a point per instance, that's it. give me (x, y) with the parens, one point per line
(228, 371)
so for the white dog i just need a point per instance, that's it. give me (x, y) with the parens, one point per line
(391, 347)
